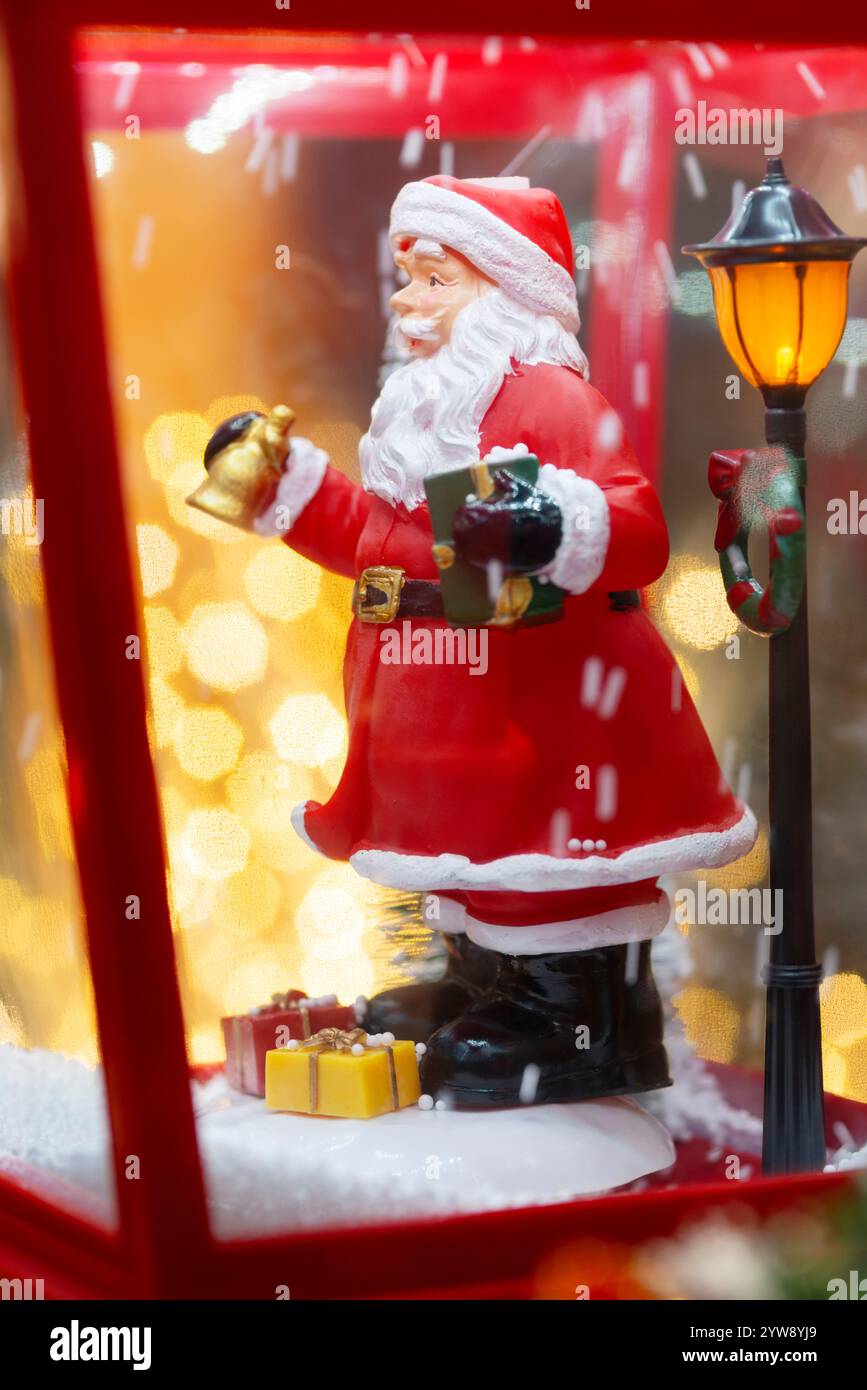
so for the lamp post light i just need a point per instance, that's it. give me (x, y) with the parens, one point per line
(779, 271)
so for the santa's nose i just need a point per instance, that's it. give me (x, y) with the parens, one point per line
(404, 300)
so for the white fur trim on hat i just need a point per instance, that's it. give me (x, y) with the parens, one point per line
(305, 473)
(619, 925)
(536, 873)
(580, 556)
(501, 252)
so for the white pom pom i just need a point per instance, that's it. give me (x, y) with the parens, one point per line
(292, 1045)
(420, 1049)
(357, 1049)
(386, 1038)
(425, 1103)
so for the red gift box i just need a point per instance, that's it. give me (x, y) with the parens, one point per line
(292, 1015)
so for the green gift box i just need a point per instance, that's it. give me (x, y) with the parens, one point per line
(467, 597)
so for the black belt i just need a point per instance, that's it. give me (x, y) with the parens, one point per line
(419, 598)
(383, 594)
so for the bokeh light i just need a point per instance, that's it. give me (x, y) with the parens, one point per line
(307, 729)
(247, 904)
(691, 603)
(20, 567)
(281, 584)
(331, 923)
(844, 1009)
(264, 791)
(226, 646)
(163, 639)
(166, 706)
(215, 843)
(710, 1020)
(330, 919)
(207, 742)
(103, 158)
(744, 872)
(173, 439)
(157, 557)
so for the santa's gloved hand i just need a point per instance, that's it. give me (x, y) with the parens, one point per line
(519, 526)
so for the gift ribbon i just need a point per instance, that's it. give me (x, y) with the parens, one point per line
(343, 1040)
(288, 1001)
(285, 1001)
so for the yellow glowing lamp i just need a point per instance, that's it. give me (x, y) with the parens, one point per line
(779, 271)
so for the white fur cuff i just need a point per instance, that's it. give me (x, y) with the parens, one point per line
(616, 927)
(581, 554)
(305, 471)
(445, 914)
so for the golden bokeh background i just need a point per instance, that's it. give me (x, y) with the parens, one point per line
(244, 638)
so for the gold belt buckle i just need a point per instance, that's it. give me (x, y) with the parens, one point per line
(389, 580)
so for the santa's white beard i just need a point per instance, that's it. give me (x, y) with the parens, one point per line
(428, 414)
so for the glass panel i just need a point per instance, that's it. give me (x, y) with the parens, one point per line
(241, 189)
(54, 1127)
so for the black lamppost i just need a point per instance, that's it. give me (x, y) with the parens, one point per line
(779, 270)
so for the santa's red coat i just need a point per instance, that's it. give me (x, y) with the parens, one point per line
(455, 781)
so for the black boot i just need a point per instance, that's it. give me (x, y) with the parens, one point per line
(531, 1019)
(416, 1011)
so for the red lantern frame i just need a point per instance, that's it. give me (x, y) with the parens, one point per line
(163, 1247)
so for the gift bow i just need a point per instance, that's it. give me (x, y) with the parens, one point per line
(336, 1039)
(344, 1040)
(294, 1001)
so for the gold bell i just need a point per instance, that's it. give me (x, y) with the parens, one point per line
(242, 478)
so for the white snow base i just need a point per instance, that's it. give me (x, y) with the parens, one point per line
(267, 1173)
(270, 1172)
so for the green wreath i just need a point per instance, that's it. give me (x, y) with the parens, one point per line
(760, 487)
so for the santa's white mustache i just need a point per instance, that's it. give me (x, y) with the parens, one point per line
(422, 330)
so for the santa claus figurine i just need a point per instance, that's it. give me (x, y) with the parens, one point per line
(535, 803)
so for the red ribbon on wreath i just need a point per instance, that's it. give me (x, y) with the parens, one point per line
(760, 487)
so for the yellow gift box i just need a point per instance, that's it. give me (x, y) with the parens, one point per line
(350, 1074)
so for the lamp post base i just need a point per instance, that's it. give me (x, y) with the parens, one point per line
(793, 1138)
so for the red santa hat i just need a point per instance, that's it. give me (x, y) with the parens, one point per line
(515, 234)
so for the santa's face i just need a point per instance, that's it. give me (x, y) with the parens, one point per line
(441, 283)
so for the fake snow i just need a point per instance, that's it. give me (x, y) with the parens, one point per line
(268, 1172)
(694, 1107)
(847, 1158)
(54, 1131)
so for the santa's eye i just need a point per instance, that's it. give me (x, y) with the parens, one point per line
(434, 280)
